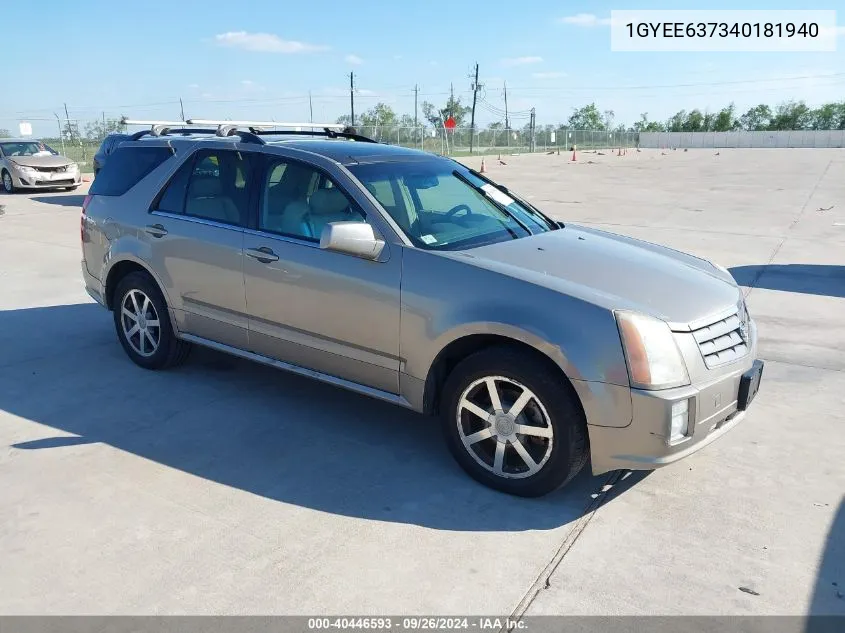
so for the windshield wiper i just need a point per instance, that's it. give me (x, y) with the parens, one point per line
(496, 204)
(522, 202)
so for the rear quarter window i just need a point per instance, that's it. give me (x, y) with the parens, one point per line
(126, 167)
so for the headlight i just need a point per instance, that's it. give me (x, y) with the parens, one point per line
(72, 167)
(26, 169)
(653, 358)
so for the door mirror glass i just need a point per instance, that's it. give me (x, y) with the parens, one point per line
(352, 238)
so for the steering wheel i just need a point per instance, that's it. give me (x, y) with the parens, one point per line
(457, 209)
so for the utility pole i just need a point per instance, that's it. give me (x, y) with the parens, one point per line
(475, 87)
(507, 123)
(310, 109)
(352, 97)
(182, 108)
(533, 120)
(416, 94)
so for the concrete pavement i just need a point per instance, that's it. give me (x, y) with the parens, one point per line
(226, 487)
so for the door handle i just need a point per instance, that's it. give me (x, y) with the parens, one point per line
(263, 254)
(156, 230)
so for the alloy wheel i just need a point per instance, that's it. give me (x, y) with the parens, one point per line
(140, 323)
(504, 427)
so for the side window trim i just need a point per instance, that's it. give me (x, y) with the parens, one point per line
(269, 161)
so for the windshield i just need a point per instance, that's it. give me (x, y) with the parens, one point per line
(27, 148)
(441, 205)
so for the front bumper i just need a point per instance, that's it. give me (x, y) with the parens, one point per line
(645, 443)
(45, 179)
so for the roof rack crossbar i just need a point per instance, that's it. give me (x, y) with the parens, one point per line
(266, 124)
(324, 133)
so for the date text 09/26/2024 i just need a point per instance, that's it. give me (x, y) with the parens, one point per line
(418, 623)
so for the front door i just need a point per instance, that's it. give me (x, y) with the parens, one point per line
(326, 311)
(196, 232)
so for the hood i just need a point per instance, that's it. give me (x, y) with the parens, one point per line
(40, 161)
(616, 272)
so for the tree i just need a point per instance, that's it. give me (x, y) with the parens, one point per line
(677, 121)
(791, 115)
(4, 133)
(757, 118)
(380, 114)
(725, 120)
(98, 130)
(830, 116)
(70, 132)
(453, 108)
(694, 122)
(644, 125)
(496, 125)
(586, 118)
(608, 116)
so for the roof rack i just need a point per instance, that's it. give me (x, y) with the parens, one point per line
(273, 128)
(163, 128)
(256, 129)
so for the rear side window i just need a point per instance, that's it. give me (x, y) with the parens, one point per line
(126, 167)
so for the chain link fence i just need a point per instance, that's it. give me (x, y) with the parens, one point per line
(79, 139)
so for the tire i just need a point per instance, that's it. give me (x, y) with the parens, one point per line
(8, 185)
(159, 348)
(74, 188)
(551, 405)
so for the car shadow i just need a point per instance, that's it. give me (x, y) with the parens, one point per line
(257, 429)
(73, 200)
(815, 279)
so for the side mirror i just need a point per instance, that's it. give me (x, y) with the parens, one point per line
(352, 238)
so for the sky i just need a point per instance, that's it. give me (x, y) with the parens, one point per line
(259, 59)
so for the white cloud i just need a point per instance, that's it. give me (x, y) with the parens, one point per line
(585, 19)
(193, 86)
(548, 75)
(264, 43)
(353, 59)
(247, 82)
(521, 61)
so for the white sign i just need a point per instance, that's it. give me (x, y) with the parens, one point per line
(552, 140)
(25, 128)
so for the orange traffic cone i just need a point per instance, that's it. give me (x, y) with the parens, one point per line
(483, 168)
(573, 153)
(619, 152)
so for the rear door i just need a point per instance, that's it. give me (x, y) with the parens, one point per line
(196, 229)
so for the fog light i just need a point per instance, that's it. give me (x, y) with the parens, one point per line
(680, 421)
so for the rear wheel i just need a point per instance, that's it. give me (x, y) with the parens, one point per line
(8, 185)
(143, 324)
(511, 424)
(71, 188)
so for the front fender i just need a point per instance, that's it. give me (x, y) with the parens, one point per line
(444, 299)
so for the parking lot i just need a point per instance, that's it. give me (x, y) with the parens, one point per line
(224, 487)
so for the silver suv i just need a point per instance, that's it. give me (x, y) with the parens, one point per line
(411, 278)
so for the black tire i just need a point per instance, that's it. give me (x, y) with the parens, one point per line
(74, 188)
(569, 444)
(171, 350)
(6, 182)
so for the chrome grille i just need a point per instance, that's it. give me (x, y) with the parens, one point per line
(725, 340)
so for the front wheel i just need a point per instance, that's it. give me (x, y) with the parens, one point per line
(74, 188)
(511, 424)
(143, 324)
(8, 185)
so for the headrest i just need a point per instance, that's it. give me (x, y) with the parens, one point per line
(205, 188)
(327, 202)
